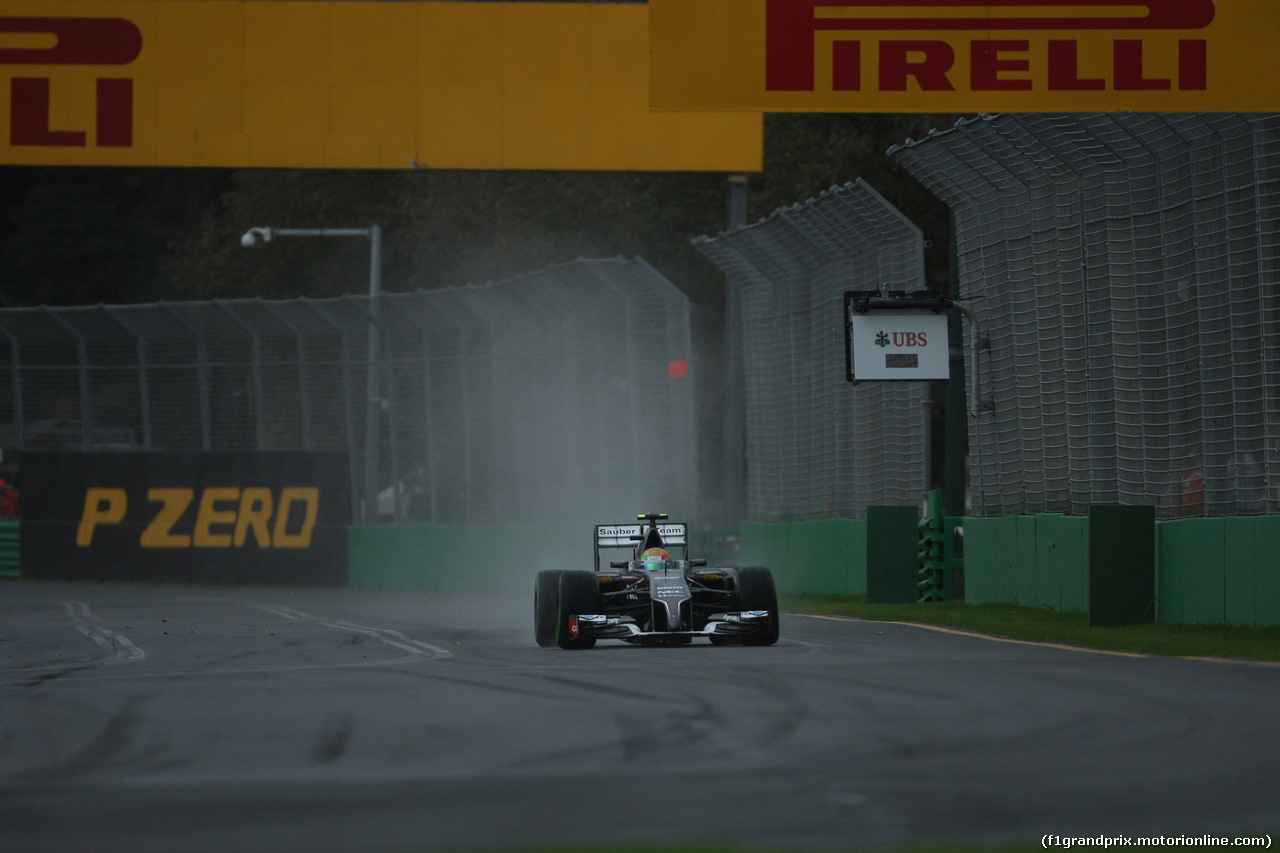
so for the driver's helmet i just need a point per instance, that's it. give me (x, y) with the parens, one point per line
(654, 559)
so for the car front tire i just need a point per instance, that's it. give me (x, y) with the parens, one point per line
(579, 594)
(756, 591)
(546, 601)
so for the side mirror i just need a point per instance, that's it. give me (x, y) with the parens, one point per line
(619, 564)
(695, 563)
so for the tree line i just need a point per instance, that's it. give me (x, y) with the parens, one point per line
(76, 236)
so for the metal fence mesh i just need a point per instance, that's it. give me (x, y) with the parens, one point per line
(566, 391)
(817, 447)
(1123, 271)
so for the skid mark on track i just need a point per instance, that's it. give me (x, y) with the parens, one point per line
(658, 735)
(609, 690)
(334, 738)
(120, 745)
(112, 744)
(785, 711)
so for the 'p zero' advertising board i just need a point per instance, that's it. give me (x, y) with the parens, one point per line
(250, 518)
(943, 56)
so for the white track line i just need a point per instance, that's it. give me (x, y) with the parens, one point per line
(118, 646)
(942, 629)
(387, 636)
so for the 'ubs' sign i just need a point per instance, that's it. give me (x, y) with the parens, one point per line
(95, 42)
(897, 345)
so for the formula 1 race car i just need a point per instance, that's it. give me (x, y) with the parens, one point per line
(653, 598)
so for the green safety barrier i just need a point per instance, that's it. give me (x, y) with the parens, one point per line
(931, 550)
(1208, 571)
(823, 557)
(461, 558)
(10, 549)
(1220, 570)
(1035, 561)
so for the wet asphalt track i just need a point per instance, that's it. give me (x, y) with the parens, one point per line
(194, 719)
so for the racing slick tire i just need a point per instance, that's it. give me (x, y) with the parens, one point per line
(546, 600)
(579, 594)
(757, 592)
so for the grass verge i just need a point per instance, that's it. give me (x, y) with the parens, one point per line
(1042, 625)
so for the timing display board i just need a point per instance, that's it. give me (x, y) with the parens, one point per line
(314, 84)
(955, 56)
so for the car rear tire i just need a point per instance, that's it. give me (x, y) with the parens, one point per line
(579, 594)
(546, 601)
(756, 591)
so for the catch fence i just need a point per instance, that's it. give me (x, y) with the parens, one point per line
(1124, 271)
(563, 393)
(817, 447)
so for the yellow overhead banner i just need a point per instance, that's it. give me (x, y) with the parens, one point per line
(945, 56)
(313, 84)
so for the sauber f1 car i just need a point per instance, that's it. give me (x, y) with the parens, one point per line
(654, 598)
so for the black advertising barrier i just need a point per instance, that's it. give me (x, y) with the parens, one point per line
(1122, 565)
(893, 562)
(223, 518)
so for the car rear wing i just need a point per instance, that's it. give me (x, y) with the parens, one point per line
(627, 535)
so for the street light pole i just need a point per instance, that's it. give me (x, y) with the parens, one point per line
(373, 406)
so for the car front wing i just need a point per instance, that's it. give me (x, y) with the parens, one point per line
(604, 627)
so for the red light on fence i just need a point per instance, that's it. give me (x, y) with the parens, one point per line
(677, 369)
